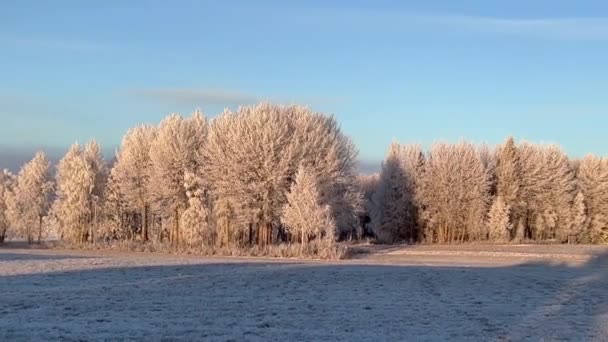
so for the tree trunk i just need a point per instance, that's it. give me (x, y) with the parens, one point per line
(144, 223)
(29, 233)
(269, 233)
(94, 225)
(259, 234)
(176, 226)
(250, 233)
(39, 228)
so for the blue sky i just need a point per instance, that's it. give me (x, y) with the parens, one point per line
(412, 71)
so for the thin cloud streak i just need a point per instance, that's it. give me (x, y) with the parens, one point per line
(549, 28)
(564, 28)
(194, 97)
(57, 43)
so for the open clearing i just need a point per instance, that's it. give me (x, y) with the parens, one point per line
(402, 293)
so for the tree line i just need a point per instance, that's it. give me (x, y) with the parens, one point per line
(462, 192)
(267, 174)
(258, 176)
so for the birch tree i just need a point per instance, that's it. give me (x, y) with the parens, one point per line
(93, 155)
(454, 193)
(252, 157)
(75, 184)
(174, 152)
(593, 182)
(29, 201)
(7, 180)
(548, 188)
(132, 172)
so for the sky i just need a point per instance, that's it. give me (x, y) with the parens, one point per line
(411, 71)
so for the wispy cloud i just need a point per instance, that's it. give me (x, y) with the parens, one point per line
(46, 42)
(549, 28)
(395, 22)
(195, 97)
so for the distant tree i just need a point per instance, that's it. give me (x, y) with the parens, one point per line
(29, 201)
(132, 173)
(114, 212)
(369, 185)
(7, 181)
(251, 158)
(499, 226)
(508, 178)
(547, 191)
(195, 218)
(93, 155)
(394, 217)
(75, 184)
(174, 151)
(455, 193)
(592, 179)
(304, 216)
(579, 223)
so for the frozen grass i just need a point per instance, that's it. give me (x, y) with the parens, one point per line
(422, 293)
(314, 250)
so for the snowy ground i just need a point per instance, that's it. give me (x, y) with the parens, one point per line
(385, 294)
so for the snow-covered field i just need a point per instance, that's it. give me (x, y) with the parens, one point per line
(384, 294)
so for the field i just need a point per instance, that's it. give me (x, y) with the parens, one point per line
(501, 293)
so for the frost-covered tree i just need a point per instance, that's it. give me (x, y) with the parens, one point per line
(579, 219)
(304, 216)
(547, 191)
(395, 213)
(499, 226)
(592, 179)
(75, 185)
(196, 227)
(251, 158)
(93, 155)
(132, 172)
(508, 178)
(195, 223)
(7, 181)
(174, 152)
(368, 185)
(28, 202)
(391, 202)
(455, 193)
(114, 214)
